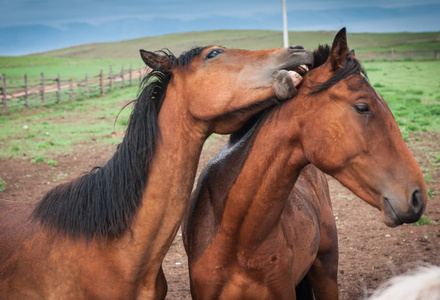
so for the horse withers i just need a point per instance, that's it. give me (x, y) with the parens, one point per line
(251, 233)
(104, 235)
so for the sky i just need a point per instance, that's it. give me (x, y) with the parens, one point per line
(31, 26)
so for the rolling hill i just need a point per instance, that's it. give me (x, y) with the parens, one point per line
(250, 39)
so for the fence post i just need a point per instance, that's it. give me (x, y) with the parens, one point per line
(435, 54)
(43, 95)
(5, 100)
(87, 86)
(140, 74)
(71, 88)
(122, 76)
(131, 74)
(58, 89)
(392, 53)
(101, 80)
(111, 77)
(26, 101)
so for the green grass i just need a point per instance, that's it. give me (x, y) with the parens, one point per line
(424, 220)
(412, 91)
(15, 67)
(38, 159)
(46, 133)
(52, 163)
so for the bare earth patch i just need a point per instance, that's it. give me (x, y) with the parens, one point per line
(369, 252)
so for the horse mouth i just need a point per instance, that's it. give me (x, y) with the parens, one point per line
(298, 71)
(287, 79)
(392, 219)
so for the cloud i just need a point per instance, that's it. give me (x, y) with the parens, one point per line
(56, 13)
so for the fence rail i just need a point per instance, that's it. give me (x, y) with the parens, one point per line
(43, 91)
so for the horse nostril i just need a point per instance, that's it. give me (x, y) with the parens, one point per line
(296, 47)
(416, 202)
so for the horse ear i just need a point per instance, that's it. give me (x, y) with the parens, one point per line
(339, 50)
(156, 61)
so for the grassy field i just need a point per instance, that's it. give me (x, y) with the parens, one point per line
(44, 133)
(15, 67)
(412, 88)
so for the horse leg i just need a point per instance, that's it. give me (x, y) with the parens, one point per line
(323, 277)
(158, 292)
(161, 285)
(323, 274)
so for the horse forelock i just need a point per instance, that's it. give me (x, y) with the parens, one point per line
(351, 66)
(103, 203)
(184, 59)
(320, 55)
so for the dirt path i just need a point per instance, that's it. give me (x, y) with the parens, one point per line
(370, 252)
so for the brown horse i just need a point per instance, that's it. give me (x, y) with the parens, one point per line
(249, 234)
(104, 235)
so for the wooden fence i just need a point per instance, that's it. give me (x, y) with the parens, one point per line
(45, 91)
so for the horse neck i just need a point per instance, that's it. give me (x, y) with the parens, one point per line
(259, 195)
(170, 181)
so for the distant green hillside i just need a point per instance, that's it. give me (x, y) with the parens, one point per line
(77, 61)
(251, 39)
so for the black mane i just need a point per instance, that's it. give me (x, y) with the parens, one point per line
(103, 203)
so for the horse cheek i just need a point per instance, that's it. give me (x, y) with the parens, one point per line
(325, 151)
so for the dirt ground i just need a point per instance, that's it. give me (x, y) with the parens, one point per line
(369, 251)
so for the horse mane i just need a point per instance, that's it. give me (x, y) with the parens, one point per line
(351, 66)
(103, 202)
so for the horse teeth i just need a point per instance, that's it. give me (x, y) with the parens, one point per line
(305, 67)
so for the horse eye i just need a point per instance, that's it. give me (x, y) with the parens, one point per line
(214, 53)
(362, 108)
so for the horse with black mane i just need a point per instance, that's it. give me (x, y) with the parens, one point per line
(104, 235)
(260, 221)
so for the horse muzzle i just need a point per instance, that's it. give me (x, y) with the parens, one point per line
(394, 215)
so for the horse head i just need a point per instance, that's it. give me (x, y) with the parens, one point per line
(355, 138)
(224, 87)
